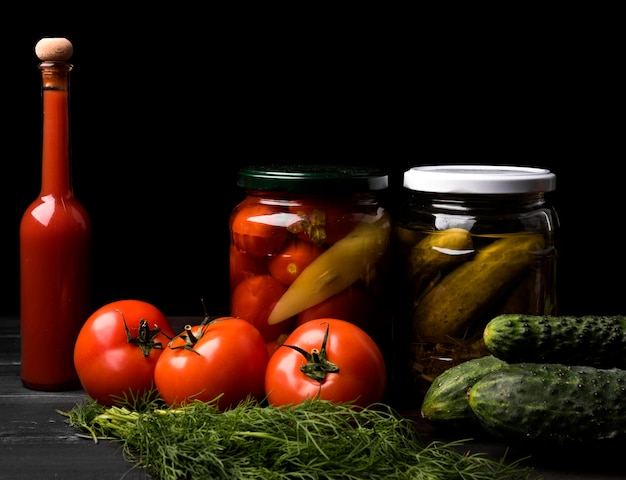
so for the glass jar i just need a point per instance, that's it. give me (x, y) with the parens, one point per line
(309, 242)
(472, 242)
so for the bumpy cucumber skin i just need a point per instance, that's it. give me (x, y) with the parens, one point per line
(533, 404)
(445, 402)
(593, 340)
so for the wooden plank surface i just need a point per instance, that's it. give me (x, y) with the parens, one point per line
(35, 440)
(37, 443)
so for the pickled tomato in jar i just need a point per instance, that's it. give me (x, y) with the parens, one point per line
(311, 242)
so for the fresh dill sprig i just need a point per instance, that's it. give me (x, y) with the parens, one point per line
(313, 440)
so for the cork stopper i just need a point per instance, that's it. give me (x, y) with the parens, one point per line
(54, 49)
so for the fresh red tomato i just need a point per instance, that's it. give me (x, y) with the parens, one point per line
(117, 349)
(286, 265)
(352, 304)
(259, 230)
(226, 356)
(253, 300)
(244, 266)
(329, 359)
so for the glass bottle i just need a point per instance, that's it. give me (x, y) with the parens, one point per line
(472, 242)
(55, 242)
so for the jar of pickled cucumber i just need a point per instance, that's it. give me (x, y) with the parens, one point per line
(472, 242)
(311, 242)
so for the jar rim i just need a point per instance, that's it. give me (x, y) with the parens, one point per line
(313, 178)
(479, 179)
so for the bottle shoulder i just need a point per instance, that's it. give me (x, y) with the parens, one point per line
(56, 210)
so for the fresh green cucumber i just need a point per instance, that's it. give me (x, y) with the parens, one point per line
(551, 404)
(445, 402)
(592, 340)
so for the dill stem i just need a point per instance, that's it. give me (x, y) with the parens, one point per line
(263, 435)
(312, 440)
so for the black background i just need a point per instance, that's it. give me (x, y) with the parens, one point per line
(165, 113)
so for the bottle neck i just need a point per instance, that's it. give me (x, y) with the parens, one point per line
(55, 177)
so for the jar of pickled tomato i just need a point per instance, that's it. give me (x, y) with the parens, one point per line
(472, 242)
(311, 242)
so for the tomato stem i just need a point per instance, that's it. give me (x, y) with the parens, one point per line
(145, 336)
(189, 338)
(192, 338)
(317, 366)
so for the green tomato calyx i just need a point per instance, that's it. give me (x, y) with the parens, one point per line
(145, 338)
(317, 366)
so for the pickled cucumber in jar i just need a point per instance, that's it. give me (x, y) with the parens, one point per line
(472, 242)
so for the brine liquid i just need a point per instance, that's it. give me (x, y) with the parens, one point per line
(524, 282)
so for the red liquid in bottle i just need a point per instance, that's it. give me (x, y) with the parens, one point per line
(55, 253)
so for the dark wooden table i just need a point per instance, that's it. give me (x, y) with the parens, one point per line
(37, 443)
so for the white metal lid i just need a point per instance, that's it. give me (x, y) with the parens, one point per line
(486, 179)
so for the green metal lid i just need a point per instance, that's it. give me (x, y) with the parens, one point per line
(312, 178)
